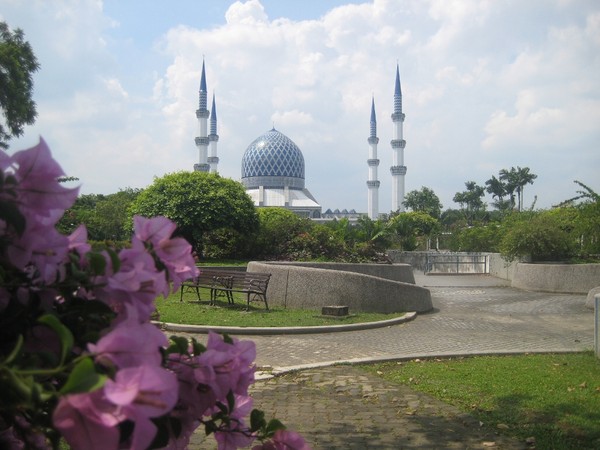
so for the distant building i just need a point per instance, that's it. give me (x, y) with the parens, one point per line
(273, 174)
(273, 165)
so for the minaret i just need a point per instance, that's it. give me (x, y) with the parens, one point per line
(398, 168)
(373, 183)
(202, 116)
(213, 138)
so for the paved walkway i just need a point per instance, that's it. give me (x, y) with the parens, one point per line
(342, 407)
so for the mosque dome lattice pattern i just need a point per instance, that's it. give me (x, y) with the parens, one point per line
(273, 155)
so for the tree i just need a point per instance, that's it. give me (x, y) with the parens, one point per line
(498, 189)
(105, 216)
(470, 201)
(407, 227)
(199, 203)
(277, 228)
(17, 64)
(587, 224)
(544, 235)
(515, 181)
(425, 201)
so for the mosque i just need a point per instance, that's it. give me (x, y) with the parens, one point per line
(273, 165)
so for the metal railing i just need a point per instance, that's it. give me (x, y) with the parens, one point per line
(456, 263)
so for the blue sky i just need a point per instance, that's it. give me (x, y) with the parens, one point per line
(486, 85)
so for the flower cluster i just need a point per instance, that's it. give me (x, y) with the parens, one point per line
(80, 359)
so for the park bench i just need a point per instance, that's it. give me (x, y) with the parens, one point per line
(223, 283)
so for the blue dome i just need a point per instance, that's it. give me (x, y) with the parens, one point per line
(273, 160)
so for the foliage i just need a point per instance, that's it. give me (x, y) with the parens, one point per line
(481, 238)
(544, 235)
(199, 203)
(105, 216)
(79, 358)
(587, 225)
(470, 201)
(424, 200)
(552, 398)
(514, 181)
(407, 227)
(277, 227)
(320, 243)
(17, 65)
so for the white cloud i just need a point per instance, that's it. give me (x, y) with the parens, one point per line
(487, 85)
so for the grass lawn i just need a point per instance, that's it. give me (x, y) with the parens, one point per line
(192, 312)
(554, 399)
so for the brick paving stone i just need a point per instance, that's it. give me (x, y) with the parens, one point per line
(340, 407)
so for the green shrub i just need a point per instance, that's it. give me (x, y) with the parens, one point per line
(544, 235)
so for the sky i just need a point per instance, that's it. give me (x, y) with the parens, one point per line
(487, 85)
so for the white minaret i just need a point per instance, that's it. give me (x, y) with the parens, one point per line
(213, 138)
(202, 138)
(398, 168)
(373, 183)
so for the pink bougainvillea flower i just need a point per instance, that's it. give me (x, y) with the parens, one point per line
(195, 399)
(130, 344)
(88, 421)
(142, 393)
(236, 435)
(137, 283)
(78, 241)
(38, 187)
(226, 367)
(41, 246)
(284, 440)
(175, 253)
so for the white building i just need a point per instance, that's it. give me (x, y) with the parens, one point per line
(273, 174)
(273, 165)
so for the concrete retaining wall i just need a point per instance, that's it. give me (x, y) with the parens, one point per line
(299, 286)
(500, 268)
(395, 272)
(566, 278)
(416, 259)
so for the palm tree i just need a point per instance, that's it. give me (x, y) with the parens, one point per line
(515, 181)
(498, 190)
(509, 179)
(523, 177)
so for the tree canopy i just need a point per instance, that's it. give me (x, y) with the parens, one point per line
(424, 200)
(470, 201)
(514, 181)
(17, 65)
(199, 203)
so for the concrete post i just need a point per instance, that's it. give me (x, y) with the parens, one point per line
(597, 325)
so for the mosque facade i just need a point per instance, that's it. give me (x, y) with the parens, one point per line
(273, 165)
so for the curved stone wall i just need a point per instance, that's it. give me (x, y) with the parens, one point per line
(299, 286)
(395, 272)
(566, 278)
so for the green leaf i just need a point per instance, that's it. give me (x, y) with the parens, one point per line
(15, 351)
(12, 216)
(97, 263)
(257, 420)
(273, 426)
(179, 344)
(197, 347)
(83, 378)
(230, 400)
(114, 259)
(64, 334)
